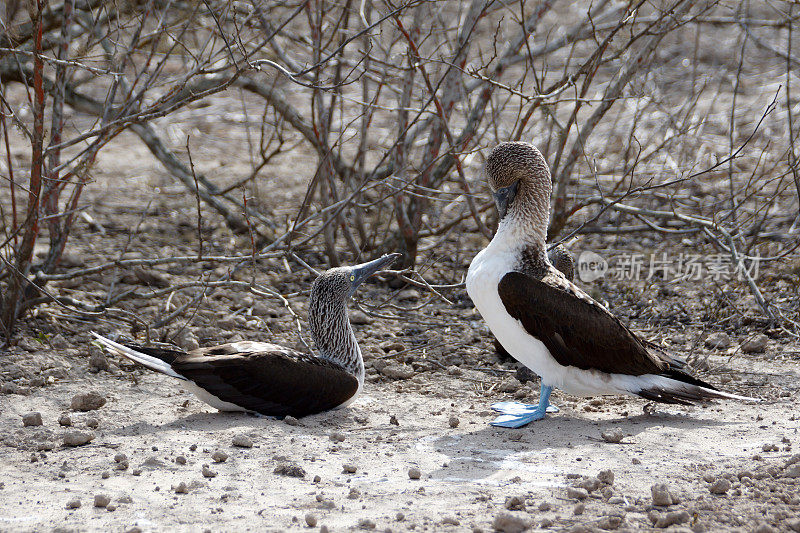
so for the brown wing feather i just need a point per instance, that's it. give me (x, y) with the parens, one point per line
(575, 329)
(276, 382)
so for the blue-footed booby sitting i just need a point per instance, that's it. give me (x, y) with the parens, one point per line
(270, 379)
(548, 323)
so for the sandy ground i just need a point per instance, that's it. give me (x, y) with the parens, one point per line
(467, 472)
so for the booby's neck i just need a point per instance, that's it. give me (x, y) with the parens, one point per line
(333, 335)
(525, 224)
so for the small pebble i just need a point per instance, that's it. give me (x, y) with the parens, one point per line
(719, 340)
(219, 456)
(92, 422)
(509, 523)
(317, 479)
(414, 473)
(311, 520)
(106, 474)
(720, 486)
(673, 517)
(242, 441)
(763, 527)
(32, 419)
(182, 488)
(289, 470)
(613, 436)
(546, 523)
(65, 420)
(181, 460)
(453, 422)
(348, 468)
(606, 476)
(579, 508)
(757, 344)
(74, 503)
(87, 401)
(337, 436)
(366, 523)
(101, 500)
(111, 507)
(661, 495)
(577, 493)
(207, 472)
(545, 506)
(354, 494)
(77, 438)
(515, 503)
(291, 421)
(399, 516)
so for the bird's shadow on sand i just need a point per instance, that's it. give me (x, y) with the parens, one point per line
(478, 455)
(215, 423)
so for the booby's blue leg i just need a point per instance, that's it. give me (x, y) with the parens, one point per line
(517, 414)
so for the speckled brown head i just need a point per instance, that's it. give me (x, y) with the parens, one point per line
(520, 180)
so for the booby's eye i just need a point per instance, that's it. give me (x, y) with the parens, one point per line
(352, 277)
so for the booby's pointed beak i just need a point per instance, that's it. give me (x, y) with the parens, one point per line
(503, 198)
(359, 273)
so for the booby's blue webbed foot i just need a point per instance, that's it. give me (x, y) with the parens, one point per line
(519, 408)
(518, 414)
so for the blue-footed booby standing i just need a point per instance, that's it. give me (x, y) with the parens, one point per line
(548, 323)
(270, 379)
